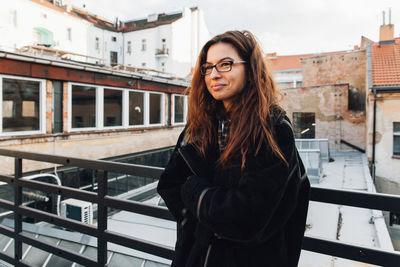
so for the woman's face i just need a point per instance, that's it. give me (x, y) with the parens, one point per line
(224, 86)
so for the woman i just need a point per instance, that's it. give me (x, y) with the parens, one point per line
(234, 181)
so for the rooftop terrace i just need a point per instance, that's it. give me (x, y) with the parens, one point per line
(357, 240)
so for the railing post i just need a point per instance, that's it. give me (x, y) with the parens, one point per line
(101, 217)
(17, 215)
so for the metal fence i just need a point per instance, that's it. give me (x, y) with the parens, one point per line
(104, 201)
(313, 163)
(321, 144)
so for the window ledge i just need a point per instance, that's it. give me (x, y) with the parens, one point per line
(396, 157)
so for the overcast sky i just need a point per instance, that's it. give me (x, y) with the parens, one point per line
(282, 26)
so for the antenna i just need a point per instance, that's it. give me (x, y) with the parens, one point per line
(383, 17)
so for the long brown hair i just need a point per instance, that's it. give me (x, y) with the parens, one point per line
(250, 111)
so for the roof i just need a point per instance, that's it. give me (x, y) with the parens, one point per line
(162, 19)
(285, 62)
(94, 19)
(386, 64)
(365, 227)
(291, 62)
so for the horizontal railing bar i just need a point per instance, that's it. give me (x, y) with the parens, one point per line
(138, 207)
(60, 190)
(54, 219)
(362, 199)
(117, 167)
(7, 179)
(8, 259)
(23, 263)
(352, 252)
(7, 204)
(139, 244)
(61, 252)
(4, 230)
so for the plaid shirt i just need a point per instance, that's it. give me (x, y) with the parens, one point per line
(223, 133)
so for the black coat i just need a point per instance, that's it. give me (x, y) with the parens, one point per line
(233, 218)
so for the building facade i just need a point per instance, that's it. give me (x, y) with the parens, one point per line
(162, 42)
(166, 42)
(383, 109)
(68, 108)
(324, 95)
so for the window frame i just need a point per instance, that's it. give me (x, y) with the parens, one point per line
(297, 132)
(129, 47)
(42, 106)
(99, 113)
(102, 126)
(145, 108)
(98, 116)
(162, 105)
(185, 109)
(97, 43)
(395, 133)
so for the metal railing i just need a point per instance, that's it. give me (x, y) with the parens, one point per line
(104, 201)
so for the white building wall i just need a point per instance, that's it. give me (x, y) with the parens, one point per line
(181, 44)
(387, 112)
(184, 37)
(138, 55)
(19, 18)
(200, 35)
(106, 45)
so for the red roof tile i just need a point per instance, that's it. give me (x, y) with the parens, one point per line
(386, 63)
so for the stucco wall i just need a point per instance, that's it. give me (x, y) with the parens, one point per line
(332, 117)
(387, 166)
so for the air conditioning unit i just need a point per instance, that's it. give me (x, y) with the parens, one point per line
(77, 210)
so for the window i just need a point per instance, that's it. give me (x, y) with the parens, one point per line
(22, 105)
(396, 138)
(143, 44)
(112, 107)
(136, 108)
(179, 115)
(163, 44)
(113, 58)
(143, 64)
(113, 39)
(69, 34)
(44, 37)
(304, 124)
(94, 107)
(97, 44)
(155, 108)
(129, 47)
(83, 109)
(163, 66)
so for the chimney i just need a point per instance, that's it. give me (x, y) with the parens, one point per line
(386, 31)
(68, 5)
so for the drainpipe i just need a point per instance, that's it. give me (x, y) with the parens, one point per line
(374, 139)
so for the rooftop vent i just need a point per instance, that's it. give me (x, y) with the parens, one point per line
(152, 17)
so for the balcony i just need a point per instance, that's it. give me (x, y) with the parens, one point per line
(163, 52)
(105, 238)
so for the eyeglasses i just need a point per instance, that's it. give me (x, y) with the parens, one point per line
(223, 66)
